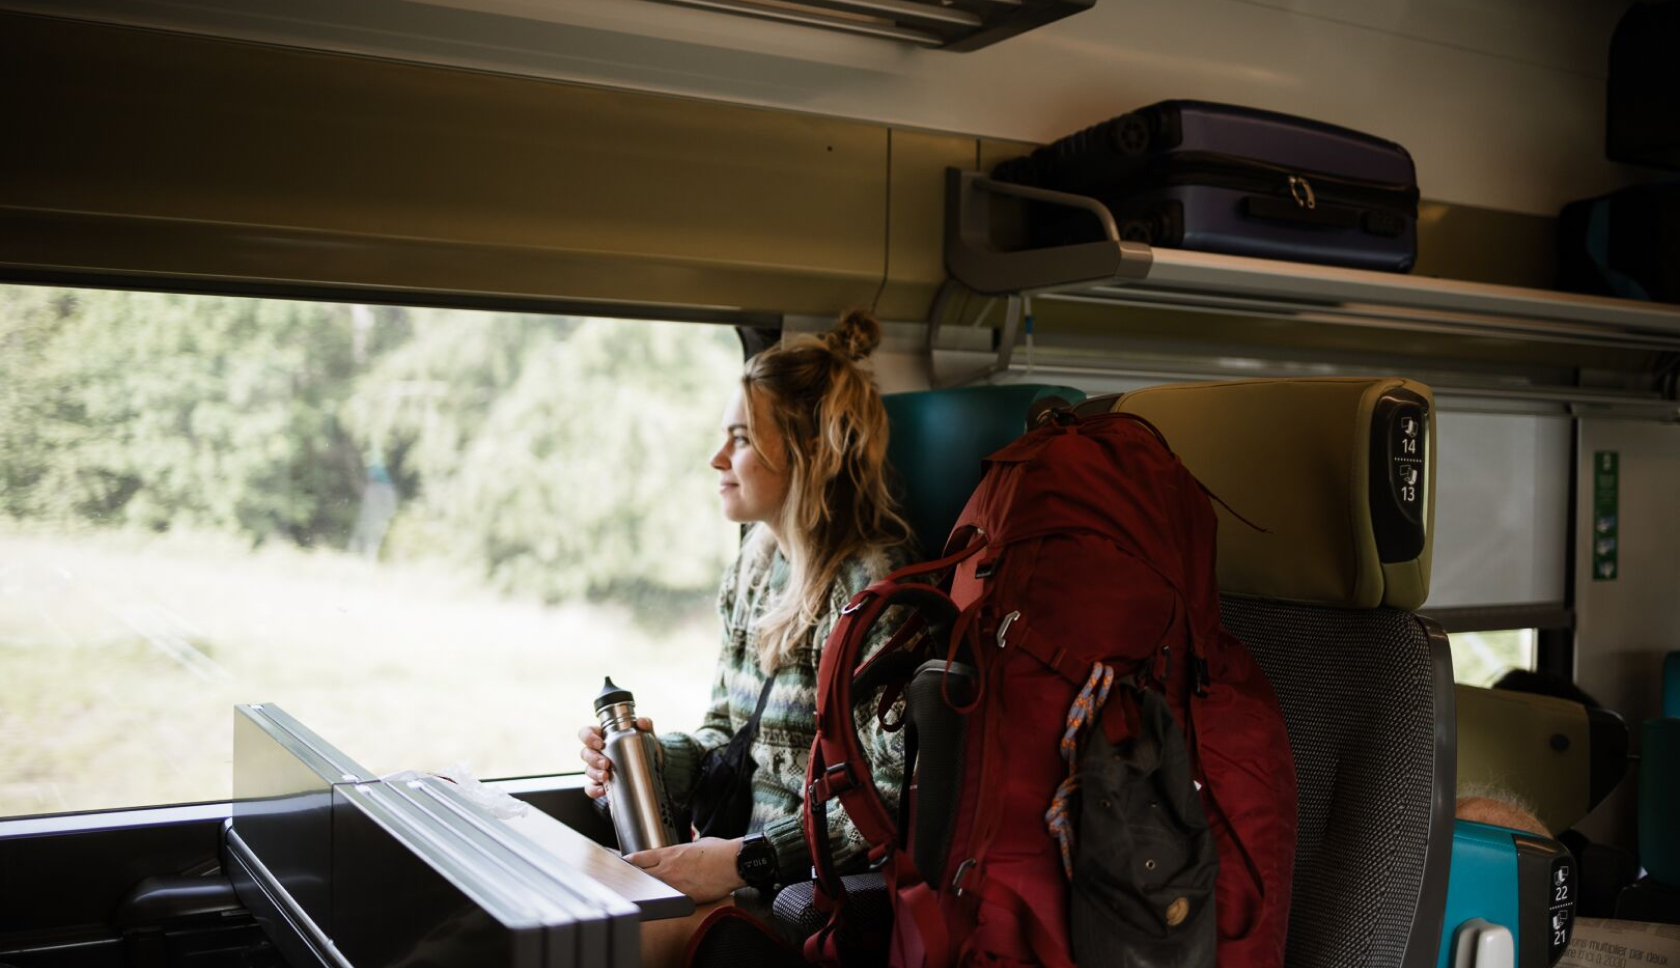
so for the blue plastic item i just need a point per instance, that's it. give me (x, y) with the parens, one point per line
(1521, 881)
(939, 438)
(1482, 882)
(1671, 686)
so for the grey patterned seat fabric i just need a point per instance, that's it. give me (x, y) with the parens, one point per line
(869, 915)
(1367, 697)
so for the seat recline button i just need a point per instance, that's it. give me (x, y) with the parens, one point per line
(1482, 944)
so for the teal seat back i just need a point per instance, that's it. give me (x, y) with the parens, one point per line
(939, 438)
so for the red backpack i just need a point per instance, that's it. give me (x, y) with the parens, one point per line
(1087, 541)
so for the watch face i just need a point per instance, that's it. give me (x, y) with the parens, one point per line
(757, 862)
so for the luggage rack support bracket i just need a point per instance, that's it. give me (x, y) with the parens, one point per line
(973, 257)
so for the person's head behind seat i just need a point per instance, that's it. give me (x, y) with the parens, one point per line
(826, 410)
(1545, 684)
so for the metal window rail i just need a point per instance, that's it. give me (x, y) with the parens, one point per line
(1119, 273)
(957, 25)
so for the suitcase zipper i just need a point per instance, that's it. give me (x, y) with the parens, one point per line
(1307, 188)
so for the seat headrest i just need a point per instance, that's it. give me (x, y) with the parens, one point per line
(1338, 472)
(1559, 756)
(938, 439)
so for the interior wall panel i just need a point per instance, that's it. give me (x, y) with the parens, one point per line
(1626, 625)
(252, 160)
(916, 241)
(1500, 101)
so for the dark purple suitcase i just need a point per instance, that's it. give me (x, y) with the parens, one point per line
(1220, 178)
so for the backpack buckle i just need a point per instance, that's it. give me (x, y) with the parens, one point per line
(1003, 628)
(962, 872)
(1199, 671)
(878, 862)
(1163, 666)
(835, 780)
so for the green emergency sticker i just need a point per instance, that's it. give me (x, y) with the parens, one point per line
(1606, 524)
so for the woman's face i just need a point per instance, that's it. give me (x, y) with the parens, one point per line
(751, 490)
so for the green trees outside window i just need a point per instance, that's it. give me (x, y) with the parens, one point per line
(208, 500)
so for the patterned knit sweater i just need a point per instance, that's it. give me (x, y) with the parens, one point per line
(788, 725)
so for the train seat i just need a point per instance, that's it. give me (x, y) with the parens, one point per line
(1559, 756)
(1543, 744)
(1656, 897)
(1336, 477)
(938, 439)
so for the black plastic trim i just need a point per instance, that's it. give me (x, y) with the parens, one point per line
(1498, 618)
(160, 899)
(379, 296)
(1548, 887)
(1607, 753)
(1400, 458)
(1424, 946)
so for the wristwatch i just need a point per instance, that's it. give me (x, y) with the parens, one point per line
(756, 863)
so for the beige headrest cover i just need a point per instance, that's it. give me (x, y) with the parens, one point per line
(1507, 747)
(1294, 457)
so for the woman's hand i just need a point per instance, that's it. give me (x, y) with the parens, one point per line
(597, 768)
(704, 870)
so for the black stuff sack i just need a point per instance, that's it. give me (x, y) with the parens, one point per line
(1144, 867)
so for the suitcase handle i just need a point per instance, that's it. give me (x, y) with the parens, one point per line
(1275, 209)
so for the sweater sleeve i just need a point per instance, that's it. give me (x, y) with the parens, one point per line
(885, 751)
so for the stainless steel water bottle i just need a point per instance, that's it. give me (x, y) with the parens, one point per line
(636, 791)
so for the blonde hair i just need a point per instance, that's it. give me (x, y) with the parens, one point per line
(834, 433)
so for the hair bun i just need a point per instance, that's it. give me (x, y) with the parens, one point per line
(857, 335)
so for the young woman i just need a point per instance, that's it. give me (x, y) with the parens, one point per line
(803, 462)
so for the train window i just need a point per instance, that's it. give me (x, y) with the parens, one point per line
(1501, 509)
(427, 533)
(1480, 658)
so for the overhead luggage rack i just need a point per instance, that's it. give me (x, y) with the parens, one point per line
(1121, 273)
(956, 25)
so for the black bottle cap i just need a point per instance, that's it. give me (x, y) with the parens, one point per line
(612, 694)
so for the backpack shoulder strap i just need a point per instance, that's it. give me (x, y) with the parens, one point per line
(838, 767)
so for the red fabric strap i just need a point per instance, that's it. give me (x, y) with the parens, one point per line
(976, 542)
(1070, 666)
(729, 913)
(919, 938)
(838, 767)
